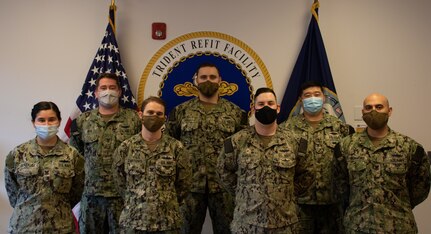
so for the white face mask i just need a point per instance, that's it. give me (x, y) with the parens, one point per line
(108, 98)
(46, 131)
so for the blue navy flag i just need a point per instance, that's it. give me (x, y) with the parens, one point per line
(312, 64)
(107, 60)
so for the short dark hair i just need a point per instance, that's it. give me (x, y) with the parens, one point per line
(207, 64)
(111, 76)
(44, 105)
(153, 99)
(309, 84)
(259, 91)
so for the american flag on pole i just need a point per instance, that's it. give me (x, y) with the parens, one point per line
(107, 60)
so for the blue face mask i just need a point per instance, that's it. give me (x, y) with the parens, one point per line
(313, 104)
(46, 132)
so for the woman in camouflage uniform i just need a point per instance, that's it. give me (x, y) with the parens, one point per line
(44, 178)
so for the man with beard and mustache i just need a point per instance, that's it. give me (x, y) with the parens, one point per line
(153, 175)
(381, 174)
(202, 124)
(257, 166)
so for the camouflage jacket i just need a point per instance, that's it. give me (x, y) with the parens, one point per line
(97, 140)
(202, 133)
(382, 184)
(314, 183)
(43, 187)
(260, 178)
(153, 184)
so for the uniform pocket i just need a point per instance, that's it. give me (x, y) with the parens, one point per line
(63, 176)
(396, 164)
(226, 124)
(124, 132)
(90, 136)
(357, 170)
(27, 176)
(284, 167)
(166, 166)
(135, 167)
(189, 124)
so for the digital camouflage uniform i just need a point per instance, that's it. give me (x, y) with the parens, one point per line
(262, 181)
(153, 184)
(97, 141)
(381, 185)
(202, 132)
(43, 187)
(320, 212)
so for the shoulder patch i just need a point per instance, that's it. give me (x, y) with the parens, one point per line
(228, 146)
(303, 144)
(351, 130)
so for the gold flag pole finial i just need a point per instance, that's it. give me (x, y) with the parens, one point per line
(315, 6)
(112, 7)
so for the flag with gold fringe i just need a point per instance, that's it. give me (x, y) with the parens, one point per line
(312, 65)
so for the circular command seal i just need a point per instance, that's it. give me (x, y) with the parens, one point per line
(169, 73)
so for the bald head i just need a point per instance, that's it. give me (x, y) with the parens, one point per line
(376, 102)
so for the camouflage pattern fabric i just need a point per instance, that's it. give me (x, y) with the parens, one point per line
(260, 178)
(381, 185)
(220, 206)
(131, 231)
(153, 184)
(324, 219)
(101, 214)
(314, 183)
(43, 187)
(97, 139)
(203, 132)
(252, 229)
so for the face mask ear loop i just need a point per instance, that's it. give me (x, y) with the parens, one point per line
(195, 77)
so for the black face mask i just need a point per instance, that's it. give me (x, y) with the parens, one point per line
(266, 115)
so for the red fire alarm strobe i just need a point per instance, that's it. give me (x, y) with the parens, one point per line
(159, 31)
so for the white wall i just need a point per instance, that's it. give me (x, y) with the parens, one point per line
(46, 49)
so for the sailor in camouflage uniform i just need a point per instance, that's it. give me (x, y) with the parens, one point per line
(202, 124)
(316, 133)
(44, 178)
(153, 174)
(382, 174)
(96, 134)
(257, 166)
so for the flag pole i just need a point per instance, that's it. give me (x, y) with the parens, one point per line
(112, 10)
(315, 6)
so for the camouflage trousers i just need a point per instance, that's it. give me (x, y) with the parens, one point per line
(351, 231)
(324, 219)
(252, 229)
(100, 214)
(220, 206)
(131, 231)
